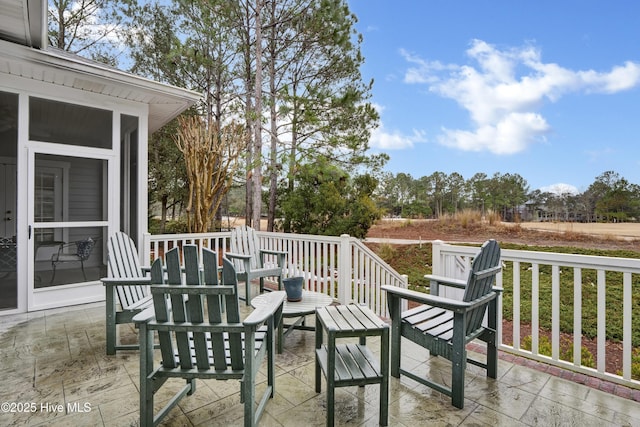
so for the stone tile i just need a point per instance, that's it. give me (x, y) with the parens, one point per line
(59, 358)
(294, 390)
(101, 390)
(125, 403)
(227, 411)
(506, 399)
(483, 416)
(428, 408)
(525, 379)
(549, 412)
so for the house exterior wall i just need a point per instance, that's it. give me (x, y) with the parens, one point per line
(88, 208)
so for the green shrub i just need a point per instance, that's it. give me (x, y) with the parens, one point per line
(566, 350)
(635, 364)
(171, 227)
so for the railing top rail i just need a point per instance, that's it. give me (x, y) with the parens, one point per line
(552, 258)
(189, 236)
(296, 236)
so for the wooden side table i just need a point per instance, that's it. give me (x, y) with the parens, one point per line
(351, 364)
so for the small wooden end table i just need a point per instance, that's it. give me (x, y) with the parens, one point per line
(296, 309)
(351, 364)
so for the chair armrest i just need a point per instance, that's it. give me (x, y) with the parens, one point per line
(272, 252)
(262, 313)
(436, 301)
(422, 298)
(138, 281)
(280, 254)
(237, 256)
(144, 316)
(447, 281)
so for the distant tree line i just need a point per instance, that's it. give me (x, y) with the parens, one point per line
(610, 198)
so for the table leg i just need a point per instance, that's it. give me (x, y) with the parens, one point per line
(331, 377)
(280, 335)
(319, 336)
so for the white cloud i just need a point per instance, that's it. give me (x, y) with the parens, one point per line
(560, 189)
(394, 140)
(510, 135)
(384, 139)
(504, 91)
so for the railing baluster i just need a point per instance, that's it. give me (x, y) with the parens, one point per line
(577, 316)
(555, 312)
(602, 320)
(516, 304)
(535, 312)
(627, 328)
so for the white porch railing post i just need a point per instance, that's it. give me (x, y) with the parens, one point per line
(404, 303)
(437, 265)
(345, 282)
(436, 258)
(145, 256)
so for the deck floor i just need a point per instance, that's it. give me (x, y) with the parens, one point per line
(56, 372)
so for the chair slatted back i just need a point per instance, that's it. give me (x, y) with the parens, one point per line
(484, 268)
(123, 263)
(244, 240)
(214, 339)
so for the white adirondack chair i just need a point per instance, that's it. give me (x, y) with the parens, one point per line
(251, 262)
(129, 282)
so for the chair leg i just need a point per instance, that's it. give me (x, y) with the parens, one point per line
(83, 273)
(394, 309)
(110, 320)
(247, 285)
(492, 359)
(53, 275)
(458, 361)
(146, 383)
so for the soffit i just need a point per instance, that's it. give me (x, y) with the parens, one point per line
(23, 53)
(68, 70)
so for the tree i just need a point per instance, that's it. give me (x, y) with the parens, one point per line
(327, 201)
(437, 185)
(167, 173)
(211, 158)
(479, 191)
(322, 100)
(455, 191)
(295, 60)
(91, 28)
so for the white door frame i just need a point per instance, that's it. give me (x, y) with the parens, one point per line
(77, 293)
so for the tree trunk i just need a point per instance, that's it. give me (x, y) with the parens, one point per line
(257, 143)
(273, 160)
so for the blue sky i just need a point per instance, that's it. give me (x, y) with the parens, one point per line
(545, 89)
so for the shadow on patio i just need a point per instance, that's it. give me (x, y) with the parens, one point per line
(56, 372)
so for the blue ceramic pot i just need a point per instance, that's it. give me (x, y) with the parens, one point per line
(293, 288)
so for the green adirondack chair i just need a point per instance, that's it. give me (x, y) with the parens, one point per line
(445, 326)
(201, 335)
(251, 262)
(129, 282)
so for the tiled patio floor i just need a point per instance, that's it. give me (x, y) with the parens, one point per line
(56, 372)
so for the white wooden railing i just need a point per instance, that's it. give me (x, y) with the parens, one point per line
(323, 261)
(326, 261)
(452, 260)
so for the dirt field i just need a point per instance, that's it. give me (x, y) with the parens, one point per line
(597, 236)
(626, 229)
